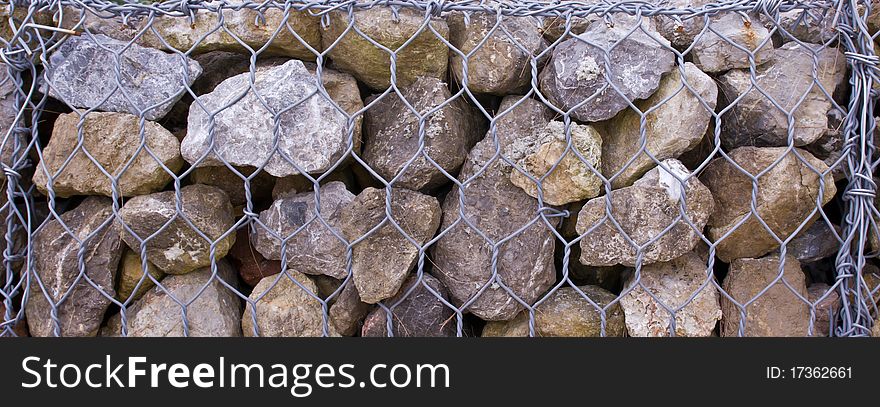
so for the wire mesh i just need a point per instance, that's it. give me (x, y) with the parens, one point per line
(415, 168)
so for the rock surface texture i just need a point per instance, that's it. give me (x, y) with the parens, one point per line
(284, 308)
(82, 72)
(417, 311)
(721, 46)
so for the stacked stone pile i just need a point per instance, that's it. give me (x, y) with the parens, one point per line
(529, 180)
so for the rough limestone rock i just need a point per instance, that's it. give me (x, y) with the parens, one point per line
(574, 177)
(779, 311)
(786, 197)
(8, 113)
(383, 259)
(80, 306)
(260, 184)
(644, 211)
(212, 309)
(82, 72)
(255, 28)
(392, 135)
(827, 303)
(313, 134)
(672, 283)
(502, 63)
(179, 248)
(814, 26)
(498, 209)
(348, 311)
(315, 249)
(577, 70)
(756, 121)
(815, 243)
(416, 313)
(131, 273)
(713, 53)
(283, 308)
(680, 112)
(566, 314)
(681, 34)
(112, 140)
(425, 55)
(300, 183)
(554, 27)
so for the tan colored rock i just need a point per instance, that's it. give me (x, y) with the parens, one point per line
(572, 179)
(644, 212)
(826, 303)
(719, 52)
(781, 310)
(131, 272)
(426, 55)
(113, 140)
(673, 284)
(786, 198)
(680, 113)
(283, 308)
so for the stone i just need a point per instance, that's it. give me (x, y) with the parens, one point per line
(502, 63)
(255, 28)
(8, 115)
(11, 327)
(554, 27)
(391, 138)
(786, 198)
(131, 273)
(826, 303)
(815, 243)
(348, 311)
(681, 32)
(566, 313)
(498, 209)
(781, 310)
(312, 134)
(178, 248)
(251, 265)
(425, 55)
(416, 312)
(384, 258)
(813, 26)
(111, 143)
(233, 184)
(787, 80)
(875, 331)
(648, 211)
(577, 70)
(720, 47)
(212, 308)
(65, 284)
(664, 288)
(283, 308)
(300, 183)
(569, 174)
(680, 113)
(314, 245)
(83, 72)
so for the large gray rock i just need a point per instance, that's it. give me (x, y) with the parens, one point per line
(498, 209)
(267, 30)
(425, 55)
(416, 312)
(667, 288)
(64, 283)
(567, 313)
(554, 27)
(111, 142)
(786, 196)
(644, 212)
(392, 135)
(577, 69)
(570, 174)
(315, 249)
(383, 259)
(786, 80)
(814, 26)
(720, 47)
(284, 308)
(132, 280)
(680, 112)
(781, 310)
(681, 30)
(179, 248)
(313, 133)
(212, 308)
(348, 311)
(83, 72)
(502, 63)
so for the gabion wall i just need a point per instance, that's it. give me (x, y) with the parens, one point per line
(412, 168)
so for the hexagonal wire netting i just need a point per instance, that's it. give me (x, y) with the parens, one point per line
(412, 168)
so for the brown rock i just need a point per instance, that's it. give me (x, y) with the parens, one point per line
(348, 311)
(259, 184)
(826, 303)
(416, 311)
(283, 308)
(131, 273)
